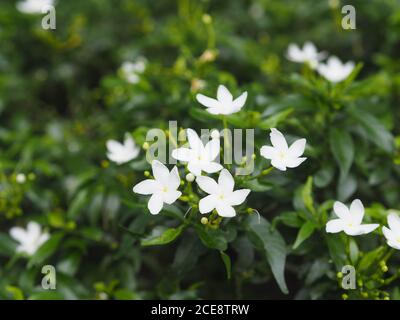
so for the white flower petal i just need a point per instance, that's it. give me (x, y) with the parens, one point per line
(295, 162)
(155, 203)
(194, 168)
(297, 148)
(357, 211)
(114, 146)
(389, 234)
(239, 102)
(278, 140)
(19, 234)
(394, 244)
(215, 111)
(207, 184)
(361, 229)
(207, 204)
(341, 210)
(223, 95)
(34, 230)
(225, 210)
(207, 101)
(268, 152)
(279, 164)
(160, 172)
(225, 181)
(174, 180)
(146, 187)
(171, 196)
(212, 149)
(194, 141)
(394, 223)
(211, 167)
(238, 197)
(334, 226)
(182, 154)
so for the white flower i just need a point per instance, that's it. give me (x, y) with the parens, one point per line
(280, 154)
(30, 239)
(163, 187)
(308, 54)
(131, 70)
(334, 70)
(20, 178)
(122, 153)
(392, 234)
(199, 157)
(224, 104)
(34, 6)
(221, 195)
(349, 220)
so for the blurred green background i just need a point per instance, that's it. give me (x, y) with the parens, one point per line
(63, 95)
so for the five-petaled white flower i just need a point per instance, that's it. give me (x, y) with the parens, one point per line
(308, 54)
(132, 70)
(221, 195)
(349, 221)
(280, 154)
(392, 234)
(30, 239)
(224, 104)
(34, 6)
(334, 70)
(163, 187)
(199, 157)
(122, 152)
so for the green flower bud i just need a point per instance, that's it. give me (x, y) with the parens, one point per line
(204, 220)
(147, 173)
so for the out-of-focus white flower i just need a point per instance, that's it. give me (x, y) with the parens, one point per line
(34, 6)
(163, 188)
(20, 178)
(392, 234)
(280, 154)
(349, 221)
(334, 70)
(122, 152)
(30, 239)
(131, 70)
(308, 54)
(224, 104)
(221, 196)
(199, 157)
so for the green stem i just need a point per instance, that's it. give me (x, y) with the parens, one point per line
(262, 173)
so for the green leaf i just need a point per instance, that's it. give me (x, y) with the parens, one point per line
(211, 238)
(165, 237)
(7, 246)
(342, 148)
(275, 120)
(47, 249)
(306, 194)
(337, 249)
(256, 186)
(353, 251)
(375, 131)
(305, 232)
(272, 244)
(288, 218)
(370, 258)
(227, 262)
(16, 292)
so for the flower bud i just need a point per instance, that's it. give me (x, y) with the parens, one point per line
(204, 220)
(215, 134)
(190, 177)
(339, 275)
(20, 178)
(145, 146)
(147, 173)
(345, 296)
(206, 19)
